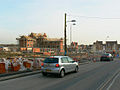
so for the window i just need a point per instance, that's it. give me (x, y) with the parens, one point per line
(70, 60)
(51, 60)
(64, 60)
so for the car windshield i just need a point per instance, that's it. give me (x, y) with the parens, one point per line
(51, 60)
(107, 54)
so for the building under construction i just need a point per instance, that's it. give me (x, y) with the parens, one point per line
(37, 42)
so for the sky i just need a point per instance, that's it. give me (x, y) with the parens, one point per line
(21, 17)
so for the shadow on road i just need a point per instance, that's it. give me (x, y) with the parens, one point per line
(56, 75)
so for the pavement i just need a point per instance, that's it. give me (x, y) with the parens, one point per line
(14, 75)
(92, 76)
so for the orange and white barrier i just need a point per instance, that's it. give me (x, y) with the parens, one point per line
(2, 68)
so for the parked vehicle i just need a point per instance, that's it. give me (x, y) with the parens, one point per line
(106, 57)
(59, 65)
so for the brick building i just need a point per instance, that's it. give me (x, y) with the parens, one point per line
(37, 42)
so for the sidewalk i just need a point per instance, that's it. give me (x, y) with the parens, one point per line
(8, 76)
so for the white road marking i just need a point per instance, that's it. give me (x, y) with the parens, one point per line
(113, 81)
(113, 78)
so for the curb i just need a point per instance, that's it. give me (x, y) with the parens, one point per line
(18, 75)
(14, 73)
(84, 63)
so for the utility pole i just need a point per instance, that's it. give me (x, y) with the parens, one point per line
(65, 44)
(70, 34)
(65, 36)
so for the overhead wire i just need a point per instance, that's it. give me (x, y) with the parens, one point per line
(94, 17)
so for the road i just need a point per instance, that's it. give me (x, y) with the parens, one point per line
(92, 76)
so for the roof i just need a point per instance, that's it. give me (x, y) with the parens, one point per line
(99, 41)
(111, 41)
(36, 35)
(27, 37)
(53, 39)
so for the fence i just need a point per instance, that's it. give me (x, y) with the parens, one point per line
(19, 64)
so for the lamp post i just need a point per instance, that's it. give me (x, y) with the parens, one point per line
(71, 32)
(65, 25)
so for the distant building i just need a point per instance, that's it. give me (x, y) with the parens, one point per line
(118, 46)
(4, 49)
(9, 47)
(73, 47)
(37, 42)
(111, 45)
(98, 46)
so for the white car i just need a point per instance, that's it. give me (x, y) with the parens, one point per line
(59, 65)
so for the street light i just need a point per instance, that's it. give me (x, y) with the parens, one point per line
(73, 20)
(65, 44)
(71, 32)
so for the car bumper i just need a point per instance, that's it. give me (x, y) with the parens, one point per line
(50, 70)
(105, 59)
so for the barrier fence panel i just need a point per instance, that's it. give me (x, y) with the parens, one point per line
(2, 68)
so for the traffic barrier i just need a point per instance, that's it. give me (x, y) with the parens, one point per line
(2, 68)
(27, 65)
(37, 64)
(16, 68)
(10, 65)
(94, 60)
(24, 64)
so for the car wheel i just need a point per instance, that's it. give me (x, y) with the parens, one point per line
(62, 74)
(44, 74)
(112, 59)
(76, 69)
(101, 59)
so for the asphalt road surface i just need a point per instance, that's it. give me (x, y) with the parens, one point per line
(92, 76)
